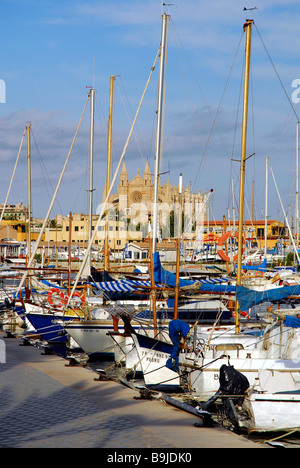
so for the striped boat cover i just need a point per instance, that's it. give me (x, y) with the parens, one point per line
(133, 285)
(122, 285)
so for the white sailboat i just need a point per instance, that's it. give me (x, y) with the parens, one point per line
(267, 357)
(92, 335)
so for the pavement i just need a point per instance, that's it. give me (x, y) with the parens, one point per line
(45, 403)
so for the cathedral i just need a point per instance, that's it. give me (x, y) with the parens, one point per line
(134, 199)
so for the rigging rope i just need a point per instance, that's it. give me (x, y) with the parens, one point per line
(12, 178)
(277, 74)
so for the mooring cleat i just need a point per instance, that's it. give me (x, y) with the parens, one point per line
(102, 375)
(145, 393)
(206, 417)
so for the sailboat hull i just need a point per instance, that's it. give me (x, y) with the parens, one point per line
(93, 337)
(153, 355)
(50, 326)
(273, 412)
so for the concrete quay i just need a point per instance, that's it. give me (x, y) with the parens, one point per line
(45, 403)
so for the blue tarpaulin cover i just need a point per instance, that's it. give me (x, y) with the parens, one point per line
(261, 267)
(249, 297)
(292, 321)
(168, 278)
(177, 330)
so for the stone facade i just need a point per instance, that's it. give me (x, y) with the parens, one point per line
(134, 199)
(15, 212)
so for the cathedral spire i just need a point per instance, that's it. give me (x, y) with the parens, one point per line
(147, 175)
(124, 176)
(124, 170)
(147, 169)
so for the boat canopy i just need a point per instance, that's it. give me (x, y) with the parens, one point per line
(248, 298)
(167, 278)
(122, 285)
(292, 321)
(163, 279)
(261, 267)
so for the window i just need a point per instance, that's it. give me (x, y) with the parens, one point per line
(260, 232)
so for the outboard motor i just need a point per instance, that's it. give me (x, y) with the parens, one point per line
(232, 383)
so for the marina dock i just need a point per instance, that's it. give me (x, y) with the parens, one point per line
(46, 403)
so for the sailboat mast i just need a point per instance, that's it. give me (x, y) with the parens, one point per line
(91, 181)
(266, 206)
(248, 29)
(108, 171)
(159, 129)
(28, 128)
(297, 190)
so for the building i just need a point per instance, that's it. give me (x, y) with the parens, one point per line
(77, 231)
(14, 212)
(139, 251)
(254, 231)
(134, 201)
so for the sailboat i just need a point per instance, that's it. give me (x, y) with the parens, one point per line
(267, 356)
(87, 333)
(46, 317)
(94, 333)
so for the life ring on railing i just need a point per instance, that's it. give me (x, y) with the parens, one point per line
(59, 295)
(222, 241)
(242, 313)
(75, 295)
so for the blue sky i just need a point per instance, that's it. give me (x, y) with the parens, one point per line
(50, 51)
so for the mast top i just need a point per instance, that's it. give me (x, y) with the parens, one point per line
(248, 23)
(166, 5)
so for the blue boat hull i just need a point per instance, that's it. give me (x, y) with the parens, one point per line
(50, 327)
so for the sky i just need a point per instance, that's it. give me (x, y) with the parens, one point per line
(51, 53)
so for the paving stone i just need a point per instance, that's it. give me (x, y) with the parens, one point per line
(37, 411)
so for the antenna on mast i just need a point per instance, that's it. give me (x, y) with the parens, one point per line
(166, 5)
(250, 9)
(94, 72)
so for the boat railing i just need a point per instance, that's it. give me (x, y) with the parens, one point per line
(227, 347)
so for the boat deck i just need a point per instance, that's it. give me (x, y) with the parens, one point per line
(45, 403)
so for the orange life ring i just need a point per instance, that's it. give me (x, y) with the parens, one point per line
(242, 313)
(222, 241)
(59, 293)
